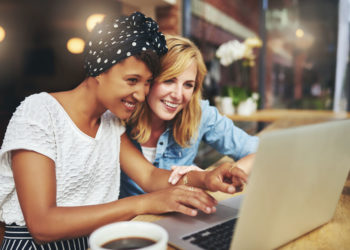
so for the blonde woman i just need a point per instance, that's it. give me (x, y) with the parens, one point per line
(170, 125)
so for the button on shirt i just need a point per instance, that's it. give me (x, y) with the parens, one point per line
(215, 130)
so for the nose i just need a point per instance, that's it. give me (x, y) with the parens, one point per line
(177, 91)
(140, 92)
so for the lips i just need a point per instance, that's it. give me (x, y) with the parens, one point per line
(129, 105)
(170, 104)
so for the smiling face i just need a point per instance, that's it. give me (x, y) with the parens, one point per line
(169, 97)
(123, 86)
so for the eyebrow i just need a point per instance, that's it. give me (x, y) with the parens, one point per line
(178, 78)
(138, 76)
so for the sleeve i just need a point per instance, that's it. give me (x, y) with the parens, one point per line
(221, 133)
(30, 128)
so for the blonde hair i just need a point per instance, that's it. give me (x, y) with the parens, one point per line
(181, 53)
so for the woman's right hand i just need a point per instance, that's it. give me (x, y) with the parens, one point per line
(183, 199)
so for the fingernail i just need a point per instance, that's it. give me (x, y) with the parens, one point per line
(208, 209)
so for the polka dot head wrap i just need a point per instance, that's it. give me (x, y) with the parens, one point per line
(113, 40)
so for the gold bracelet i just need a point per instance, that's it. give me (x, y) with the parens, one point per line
(185, 179)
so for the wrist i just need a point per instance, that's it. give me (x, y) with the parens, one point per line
(195, 179)
(238, 165)
(142, 204)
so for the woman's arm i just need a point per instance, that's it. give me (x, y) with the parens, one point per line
(178, 171)
(138, 168)
(150, 178)
(246, 163)
(223, 135)
(35, 181)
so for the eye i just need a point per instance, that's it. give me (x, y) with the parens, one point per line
(132, 80)
(169, 81)
(189, 85)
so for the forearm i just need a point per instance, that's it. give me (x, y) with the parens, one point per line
(191, 178)
(246, 163)
(194, 179)
(135, 165)
(69, 222)
(226, 178)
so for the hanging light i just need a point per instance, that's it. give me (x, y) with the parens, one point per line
(75, 45)
(2, 34)
(92, 20)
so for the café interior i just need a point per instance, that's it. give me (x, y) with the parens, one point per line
(279, 63)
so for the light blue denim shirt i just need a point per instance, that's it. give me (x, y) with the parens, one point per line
(216, 130)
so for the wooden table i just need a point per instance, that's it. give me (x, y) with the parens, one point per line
(272, 115)
(333, 235)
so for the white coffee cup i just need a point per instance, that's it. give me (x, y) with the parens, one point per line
(130, 229)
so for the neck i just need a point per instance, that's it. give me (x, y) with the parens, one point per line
(87, 101)
(82, 105)
(157, 128)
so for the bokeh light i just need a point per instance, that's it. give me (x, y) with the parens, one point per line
(75, 45)
(299, 33)
(92, 20)
(2, 34)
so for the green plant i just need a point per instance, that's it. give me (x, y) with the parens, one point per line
(238, 94)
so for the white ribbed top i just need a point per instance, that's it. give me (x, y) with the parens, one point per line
(87, 169)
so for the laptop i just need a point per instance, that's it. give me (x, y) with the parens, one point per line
(296, 182)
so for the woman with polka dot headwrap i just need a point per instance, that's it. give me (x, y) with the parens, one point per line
(61, 156)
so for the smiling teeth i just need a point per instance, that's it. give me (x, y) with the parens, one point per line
(130, 105)
(170, 104)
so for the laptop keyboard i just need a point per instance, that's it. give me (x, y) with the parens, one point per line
(216, 237)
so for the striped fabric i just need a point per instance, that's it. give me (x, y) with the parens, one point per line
(19, 238)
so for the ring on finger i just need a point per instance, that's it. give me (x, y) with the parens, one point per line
(191, 189)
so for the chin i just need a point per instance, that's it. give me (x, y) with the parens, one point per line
(125, 117)
(168, 118)
(122, 115)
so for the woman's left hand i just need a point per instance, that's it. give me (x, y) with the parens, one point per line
(226, 178)
(179, 171)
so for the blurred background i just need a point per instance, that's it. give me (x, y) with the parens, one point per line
(292, 54)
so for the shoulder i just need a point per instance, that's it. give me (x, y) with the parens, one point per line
(31, 126)
(209, 113)
(34, 107)
(206, 107)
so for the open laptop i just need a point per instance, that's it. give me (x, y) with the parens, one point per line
(296, 182)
